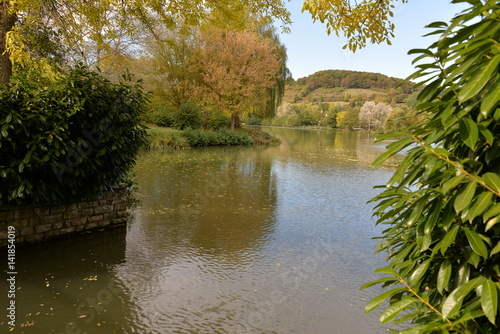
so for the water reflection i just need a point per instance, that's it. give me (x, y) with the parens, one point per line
(226, 240)
(70, 285)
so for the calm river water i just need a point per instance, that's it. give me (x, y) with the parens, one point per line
(225, 240)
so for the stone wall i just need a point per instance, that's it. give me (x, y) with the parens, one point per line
(34, 224)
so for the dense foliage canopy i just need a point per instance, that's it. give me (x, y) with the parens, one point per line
(359, 21)
(353, 79)
(441, 208)
(69, 139)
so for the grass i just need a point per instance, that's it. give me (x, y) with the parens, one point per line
(167, 139)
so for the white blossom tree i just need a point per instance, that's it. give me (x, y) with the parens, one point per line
(373, 115)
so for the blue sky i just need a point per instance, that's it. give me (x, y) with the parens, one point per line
(310, 49)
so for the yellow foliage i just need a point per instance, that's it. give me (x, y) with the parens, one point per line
(358, 21)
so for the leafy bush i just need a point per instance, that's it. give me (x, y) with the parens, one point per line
(187, 117)
(165, 139)
(441, 208)
(292, 120)
(253, 120)
(68, 140)
(161, 116)
(217, 120)
(217, 138)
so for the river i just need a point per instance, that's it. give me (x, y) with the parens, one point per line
(225, 240)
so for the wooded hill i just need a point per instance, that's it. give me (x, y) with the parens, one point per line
(340, 85)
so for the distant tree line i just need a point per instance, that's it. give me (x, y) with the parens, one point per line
(360, 115)
(353, 79)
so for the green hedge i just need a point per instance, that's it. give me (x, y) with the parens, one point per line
(217, 138)
(67, 140)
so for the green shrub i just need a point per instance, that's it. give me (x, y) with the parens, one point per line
(68, 140)
(165, 139)
(217, 121)
(198, 138)
(292, 120)
(253, 120)
(161, 116)
(187, 117)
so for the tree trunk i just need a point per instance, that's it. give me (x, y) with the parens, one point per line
(7, 21)
(235, 121)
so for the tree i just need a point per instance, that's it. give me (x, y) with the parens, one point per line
(373, 115)
(7, 21)
(94, 29)
(399, 118)
(441, 208)
(165, 67)
(348, 119)
(232, 68)
(266, 105)
(359, 21)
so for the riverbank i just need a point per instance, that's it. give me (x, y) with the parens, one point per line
(168, 139)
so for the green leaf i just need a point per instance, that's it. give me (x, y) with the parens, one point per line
(392, 311)
(444, 275)
(392, 149)
(429, 91)
(375, 302)
(416, 211)
(422, 51)
(472, 258)
(492, 180)
(469, 132)
(438, 24)
(491, 100)
(386, 270)
(380, 280)
(492, 212)
(495, 249)
(469, 315)
(452, 183)
(489, 300)
(488, 136)
(481, 203)
(449, 238)
(476, 243)
(451, 305)
(464, 198)
(419, 272)
(474, 84)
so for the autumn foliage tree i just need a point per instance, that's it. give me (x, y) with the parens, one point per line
(96, 30)
(359, 21)
(232, 68)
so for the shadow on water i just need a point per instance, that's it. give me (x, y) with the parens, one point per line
(70, 285)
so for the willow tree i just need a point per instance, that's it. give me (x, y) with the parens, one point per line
(267, 103)
(106, 25)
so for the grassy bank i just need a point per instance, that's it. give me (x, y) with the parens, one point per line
(168, 139)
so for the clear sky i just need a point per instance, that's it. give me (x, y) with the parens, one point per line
(310, 49)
